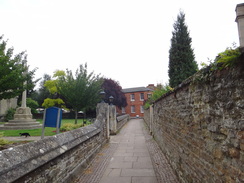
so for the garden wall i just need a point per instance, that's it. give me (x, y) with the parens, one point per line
(59, 158)
(122, 120)
(200, 126)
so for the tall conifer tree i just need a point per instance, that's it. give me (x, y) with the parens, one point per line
(182, 62)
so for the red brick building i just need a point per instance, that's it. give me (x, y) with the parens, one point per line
(135, 99)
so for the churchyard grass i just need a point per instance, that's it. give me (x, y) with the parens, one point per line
(37, 132)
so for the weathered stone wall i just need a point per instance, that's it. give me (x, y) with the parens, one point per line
(122, 120)
(55, 159)
(200, 127)
(116, 123)
(6, 104)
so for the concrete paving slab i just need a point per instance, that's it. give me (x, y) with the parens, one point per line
(137, 172)
(144, 159)
(142, 165)
(116, 180)
(121, 150)
(137, 150)
(141, 154)
(139, 145)
(144, 180)
(125, 147)
(123, 154)
(113, 172)
(116, 158)
(131, 159)
(119, 164)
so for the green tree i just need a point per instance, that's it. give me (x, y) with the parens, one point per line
(11, 72)
(32, 104)
(80, 92)
(182, 62)
(42, 92)
(51, 86)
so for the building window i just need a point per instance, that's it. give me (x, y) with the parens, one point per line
(123, 110)
(133, 109)
(132, 97)
(142, 109)
(142, 96)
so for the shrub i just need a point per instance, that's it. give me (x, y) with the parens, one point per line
(70, 126)
(9, 114)
(3, 141)
(226, 59)
(160, 91)
(48, 102)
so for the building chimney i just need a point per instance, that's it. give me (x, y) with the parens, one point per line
(240, 23)
(151, 86)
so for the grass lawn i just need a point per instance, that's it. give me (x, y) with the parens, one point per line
(37, 132)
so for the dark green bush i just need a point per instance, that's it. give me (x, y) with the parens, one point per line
(32, 104)
(9, 114)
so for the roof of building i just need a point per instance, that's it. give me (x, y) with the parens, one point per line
(137, 89)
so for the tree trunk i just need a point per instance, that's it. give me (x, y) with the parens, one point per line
(76, 116)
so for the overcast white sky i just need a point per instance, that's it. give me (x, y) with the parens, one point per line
(125, 40)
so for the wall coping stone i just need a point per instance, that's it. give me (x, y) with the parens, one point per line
(25, 158)
(120, 118)
(203, 71)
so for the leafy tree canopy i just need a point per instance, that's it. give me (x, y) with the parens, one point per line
(80, 91)
(13, 72)
(51, 86)
(112, 88)
(42, 92)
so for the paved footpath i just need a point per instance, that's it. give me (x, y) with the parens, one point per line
(131, 156)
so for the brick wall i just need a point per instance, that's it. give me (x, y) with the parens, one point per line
(200, 127)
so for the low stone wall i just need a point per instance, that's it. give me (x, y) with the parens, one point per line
(122, 120)
(116, 123)
(200, 127)
(59, 158)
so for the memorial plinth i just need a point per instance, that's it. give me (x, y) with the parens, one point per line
(22, 120)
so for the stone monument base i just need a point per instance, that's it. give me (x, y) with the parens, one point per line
(22, 120)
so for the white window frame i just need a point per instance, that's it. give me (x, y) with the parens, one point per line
(142, 109)
(123, 110)
(132, 97)
(142, 94)
(133, 109)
